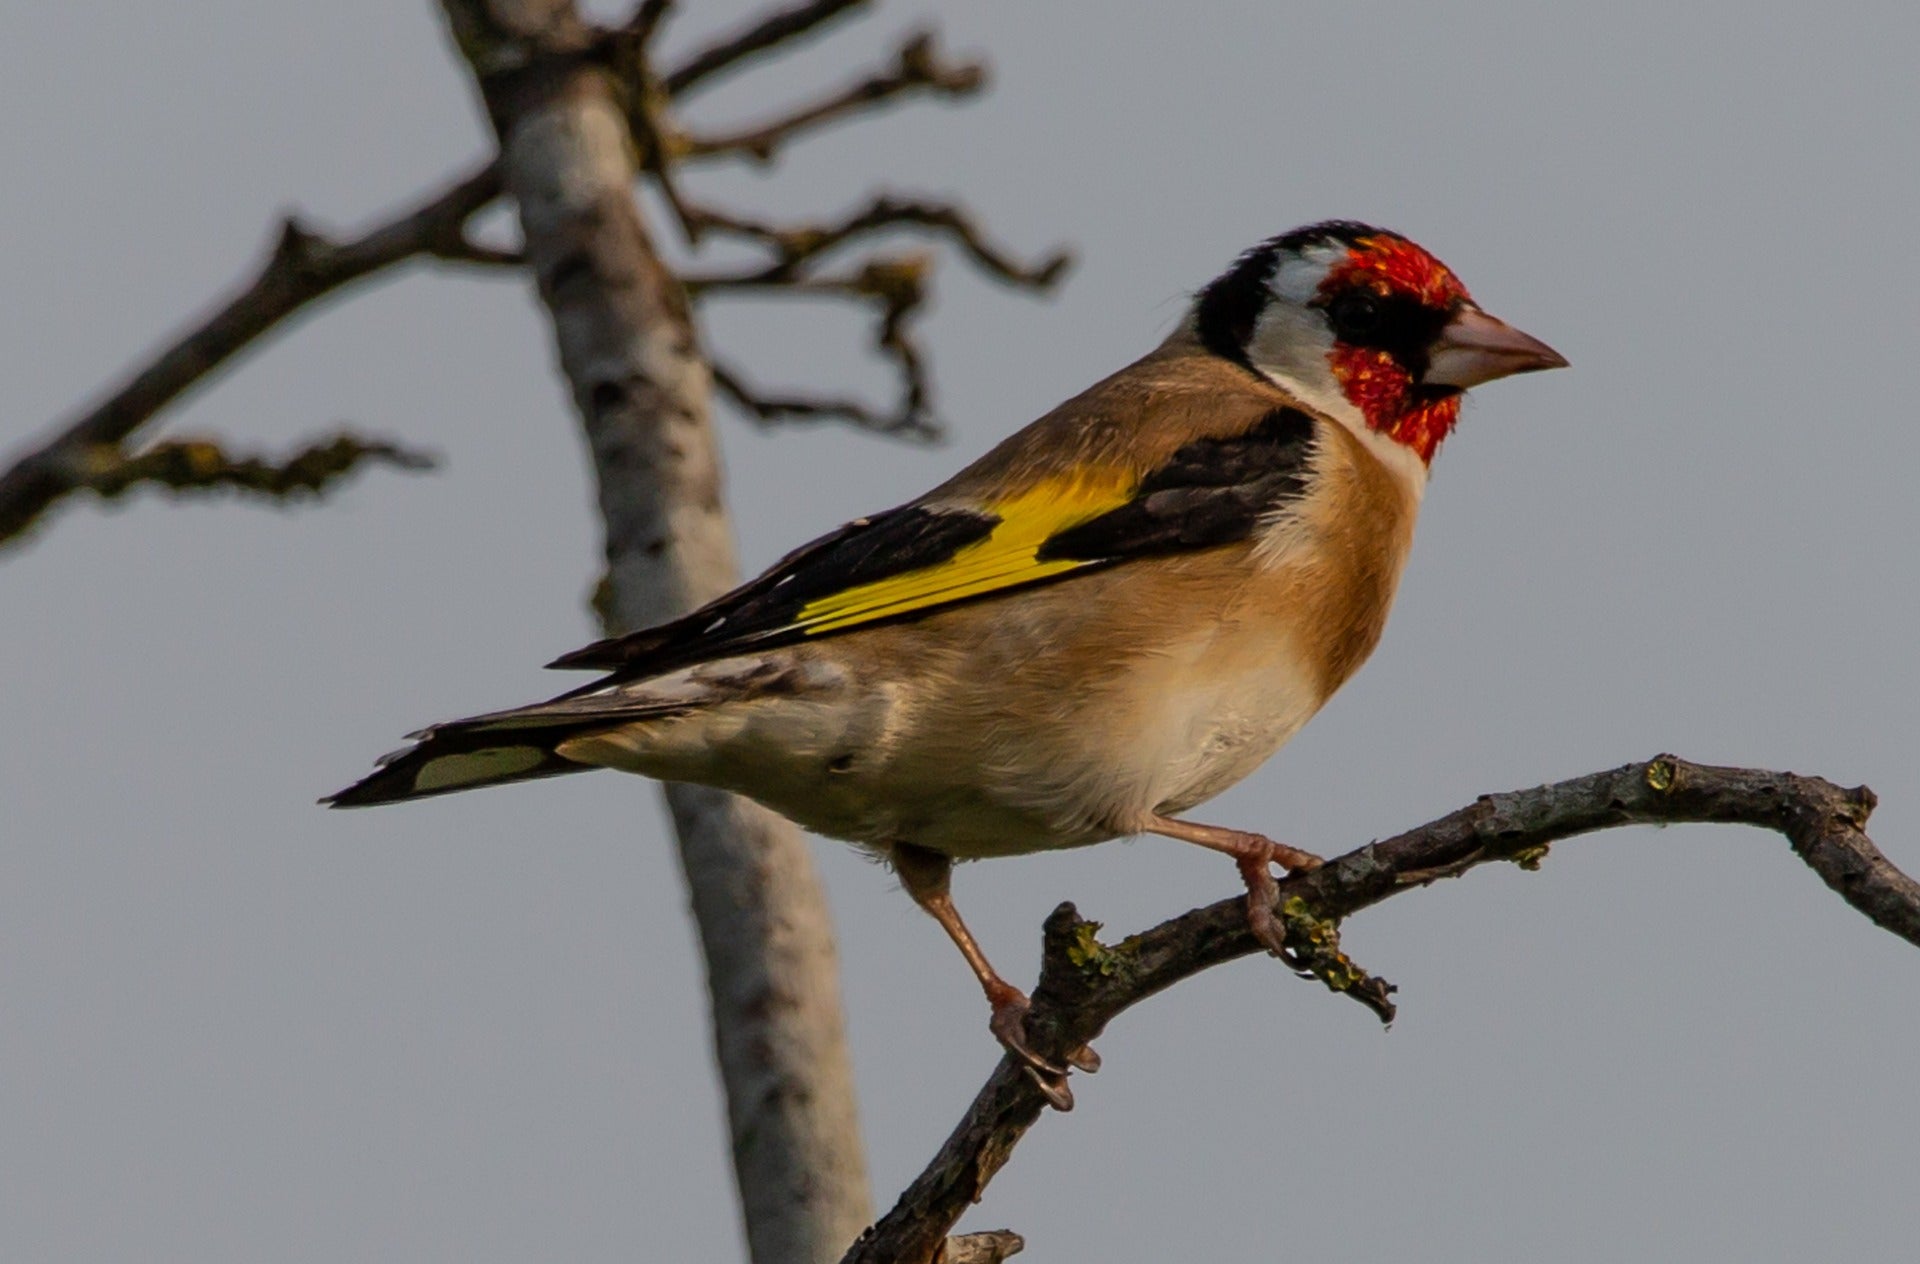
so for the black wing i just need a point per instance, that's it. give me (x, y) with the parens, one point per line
(866, 550)
(1210, 492)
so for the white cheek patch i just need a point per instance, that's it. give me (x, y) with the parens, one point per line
(1291, 342)
(1291, 345)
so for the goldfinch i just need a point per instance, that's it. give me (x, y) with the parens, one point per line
(1110, 618)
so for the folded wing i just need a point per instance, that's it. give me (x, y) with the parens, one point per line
(922, 557)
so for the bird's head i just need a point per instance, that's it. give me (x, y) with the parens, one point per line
(1362, 323)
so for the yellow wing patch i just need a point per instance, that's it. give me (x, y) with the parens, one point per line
(1005, 559)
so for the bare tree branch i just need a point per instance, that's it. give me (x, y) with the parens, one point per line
(202, 465)
(897, 285)
(919, 68)
(797, 245)
(772, 409)
(302, 268)
(769, 32)
(467, 249)
(305, 266)
(1084, 984)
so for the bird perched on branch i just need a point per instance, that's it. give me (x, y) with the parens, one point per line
(1107, 620)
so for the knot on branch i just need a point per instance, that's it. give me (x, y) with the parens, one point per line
(920, 63)
(298, 251)
(1073, 960)
(1074, 967)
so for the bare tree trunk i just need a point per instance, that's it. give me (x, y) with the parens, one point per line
(627, 347)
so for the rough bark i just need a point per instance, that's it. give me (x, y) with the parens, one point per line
(627, 348)
(1084, 983)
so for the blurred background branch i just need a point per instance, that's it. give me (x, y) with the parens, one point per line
(204, 465)
(303, 267)
(306, 266)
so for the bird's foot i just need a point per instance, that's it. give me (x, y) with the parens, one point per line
(1256, 855)
(1256, 859)
(1009, 1026)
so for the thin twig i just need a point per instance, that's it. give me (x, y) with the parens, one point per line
(467, 249)
(302, 267)
(897, 285)
(1084, 984)
(895, 280)
(797, 245)
(771, 409)
(202, 465)
(769, 32)
(918, 69)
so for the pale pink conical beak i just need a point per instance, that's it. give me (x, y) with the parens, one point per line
(1475, 347)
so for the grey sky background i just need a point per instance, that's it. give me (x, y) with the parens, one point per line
(236, 1027)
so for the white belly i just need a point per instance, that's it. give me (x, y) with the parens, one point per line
(1227, 737)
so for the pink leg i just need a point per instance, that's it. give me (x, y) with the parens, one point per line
(925, 874)
(1255, 855)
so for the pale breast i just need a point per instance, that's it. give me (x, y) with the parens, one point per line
(1218, 733)
(1069, 715)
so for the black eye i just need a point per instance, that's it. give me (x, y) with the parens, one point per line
(1355, 316)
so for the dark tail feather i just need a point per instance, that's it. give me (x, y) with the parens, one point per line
(463, 756)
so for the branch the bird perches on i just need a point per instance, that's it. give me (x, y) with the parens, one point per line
(1084, 983)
